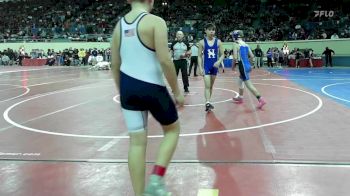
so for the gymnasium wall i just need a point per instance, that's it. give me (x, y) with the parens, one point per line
(340, 46)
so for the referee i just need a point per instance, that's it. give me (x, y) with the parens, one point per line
(179, 49)
(194, 59)
(328, 53)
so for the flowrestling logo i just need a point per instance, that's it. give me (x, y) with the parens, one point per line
(327, 14)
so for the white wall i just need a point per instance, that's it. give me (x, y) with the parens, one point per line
(341, 46)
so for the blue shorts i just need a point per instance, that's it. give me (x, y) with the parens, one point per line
(210, 70)
(244, 71)
(138, 97)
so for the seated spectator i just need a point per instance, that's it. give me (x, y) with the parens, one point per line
(334, 36)
(92, 60)
(81, 56)
(5, 59)
(67, 60)
(51, 59)
(75, 57)
(78, 20)
(99, 58)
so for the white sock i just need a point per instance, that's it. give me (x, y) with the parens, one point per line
(155, 177)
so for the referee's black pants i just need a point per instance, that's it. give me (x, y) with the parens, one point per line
(329, 60)
(194, 61)
(182, 64)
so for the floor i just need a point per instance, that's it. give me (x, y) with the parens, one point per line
(62, 133)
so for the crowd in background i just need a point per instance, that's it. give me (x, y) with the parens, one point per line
(276, 56)
(94, 20)
(67, 57)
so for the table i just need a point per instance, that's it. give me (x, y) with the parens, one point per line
(34, 62)
(306, 63)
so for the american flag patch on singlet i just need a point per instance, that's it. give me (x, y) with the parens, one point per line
(129, 32)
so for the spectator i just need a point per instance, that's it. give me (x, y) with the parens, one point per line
(281, 57)
(94, 52)
(194, 59)
(76, 20)
(108, 55)
(75, 57)
(67, 59)
(5, 59)
(258, 56)
(269, 55)
(298, 56)
(81, 56)
(286, 51)
(276, 57)
(49, 53)
(21, 54)
(59, 58)
(311, 57)
(334, 36)
(324, 35)
(50, 59)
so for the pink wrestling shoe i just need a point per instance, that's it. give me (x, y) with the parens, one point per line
(261, 103)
